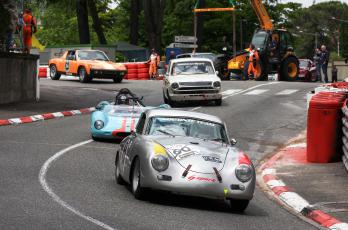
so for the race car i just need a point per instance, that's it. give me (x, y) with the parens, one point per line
(87, 65)
(116, 120)
(187, 153)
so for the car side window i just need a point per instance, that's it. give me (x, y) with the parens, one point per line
(70, 55)
(140, 126)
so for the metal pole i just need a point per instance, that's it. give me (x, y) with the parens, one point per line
(234, 34)
(241, 34)
(195, 31)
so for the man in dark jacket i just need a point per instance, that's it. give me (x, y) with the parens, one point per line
(324, 61)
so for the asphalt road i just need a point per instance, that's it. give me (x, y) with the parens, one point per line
(261, 115)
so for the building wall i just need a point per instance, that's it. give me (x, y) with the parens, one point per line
(18, 77)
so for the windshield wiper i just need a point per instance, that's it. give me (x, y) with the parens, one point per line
(165, 132)
(218, 139)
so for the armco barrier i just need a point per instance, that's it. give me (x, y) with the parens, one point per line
(345, 134)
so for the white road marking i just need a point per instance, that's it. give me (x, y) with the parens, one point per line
(15, 121)
(37, 117)
(55, 197)
(275, 183)
(257, 92)
(58, 114)
(339, 226)
(231, 91)
(287, 92)
(240, 92)
(75, 112)
(268, 171)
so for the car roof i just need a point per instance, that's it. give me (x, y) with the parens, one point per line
(193, 54)
(183, 114)
(191, 59)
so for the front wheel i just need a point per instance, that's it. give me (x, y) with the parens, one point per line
(289, 69)
(238, 205)
(137, 190)
(118, 178)
(83, 76)
(218, 102)
(117, 79)
(54, 75)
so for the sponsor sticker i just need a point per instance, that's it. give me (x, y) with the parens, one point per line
(212, 159)
(197, 178)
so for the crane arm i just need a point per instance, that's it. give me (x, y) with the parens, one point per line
(262, 14)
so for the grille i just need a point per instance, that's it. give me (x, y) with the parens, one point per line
(199, 83)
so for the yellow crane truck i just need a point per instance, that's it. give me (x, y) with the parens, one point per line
(275, 50)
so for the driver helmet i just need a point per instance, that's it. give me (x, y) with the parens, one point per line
(123, 100)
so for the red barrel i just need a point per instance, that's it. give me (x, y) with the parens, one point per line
(42, 72)
(323, 127)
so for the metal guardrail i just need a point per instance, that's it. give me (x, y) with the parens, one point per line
(345, 135)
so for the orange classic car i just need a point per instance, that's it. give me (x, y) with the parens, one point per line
(86, 64)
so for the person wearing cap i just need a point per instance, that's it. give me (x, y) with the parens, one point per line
(153, 62)
(29, 28)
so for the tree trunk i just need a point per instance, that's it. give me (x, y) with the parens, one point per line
(200, 25)
(154, 12)
(134, 22)
(82, 21)
(96, 22)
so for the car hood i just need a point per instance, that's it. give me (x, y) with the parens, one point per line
(202, 155)
(105, 65)
(194, 78)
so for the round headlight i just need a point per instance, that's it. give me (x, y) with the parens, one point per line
(98, 124)
(217, 84)
(244, 172)
(160, 162)
(175, 85)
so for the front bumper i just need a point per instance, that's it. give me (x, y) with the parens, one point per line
(108, 134)
(195, 96)
(198, 184)
(107, 74)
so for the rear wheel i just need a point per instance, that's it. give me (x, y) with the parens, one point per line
(137, 190)
(238, 205)
(83, 76)
(54, 75)
(289, 69)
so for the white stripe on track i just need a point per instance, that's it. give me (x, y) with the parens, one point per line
(339, 226)
(287, 92)
(55, 197)
(257, 92)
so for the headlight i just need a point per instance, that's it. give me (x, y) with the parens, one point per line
(217, 84)
(244, 172)
(98, 124)
(160, 162)
(175, 85)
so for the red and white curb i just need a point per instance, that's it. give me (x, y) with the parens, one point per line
(46, 116)
(292, 199)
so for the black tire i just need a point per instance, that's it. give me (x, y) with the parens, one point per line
(117, 79)
(238, 205)
(289, 69)
(118, 178)
(54, 75)
(165, 99)
(218, 102)
(170, 102)
(312, 78)
(83, 76)
(137, 190)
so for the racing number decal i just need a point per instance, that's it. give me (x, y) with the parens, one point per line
(182, 151)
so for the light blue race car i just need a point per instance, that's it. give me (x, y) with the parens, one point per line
(116, 120)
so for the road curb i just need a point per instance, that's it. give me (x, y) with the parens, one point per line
(46, 116)
(291, 199)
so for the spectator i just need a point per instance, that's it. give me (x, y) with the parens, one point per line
(334, 73)
(324, 61)
(28, 29)
(153, 61)
(316, 59)
(171, 55)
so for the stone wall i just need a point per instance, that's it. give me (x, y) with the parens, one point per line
(18, 77)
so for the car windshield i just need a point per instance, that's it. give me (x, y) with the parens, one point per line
(197, 67)
(175, 126)
(259, 40)
(92, 55)
(303, 63)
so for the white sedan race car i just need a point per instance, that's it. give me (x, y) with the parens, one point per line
(191, 79)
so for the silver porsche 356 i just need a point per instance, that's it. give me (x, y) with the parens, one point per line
(187, 153)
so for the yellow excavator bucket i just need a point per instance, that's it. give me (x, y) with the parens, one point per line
(37, 44)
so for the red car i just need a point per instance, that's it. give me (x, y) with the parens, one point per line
(308, 70)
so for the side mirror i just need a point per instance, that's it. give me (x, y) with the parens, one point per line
(233, 141)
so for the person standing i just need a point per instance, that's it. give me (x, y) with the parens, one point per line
(324, 61)
(29, 29)
(153, 61)
(334, 73)
(316, 59)
(253, 61)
